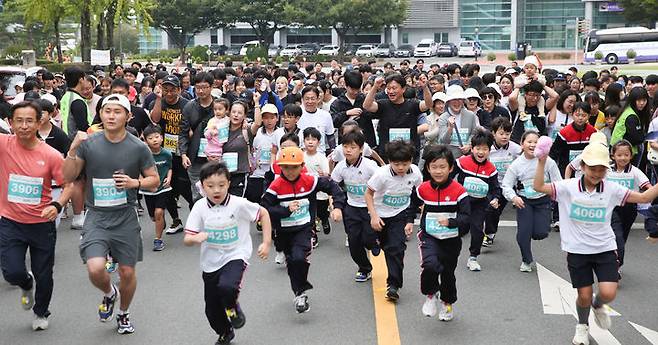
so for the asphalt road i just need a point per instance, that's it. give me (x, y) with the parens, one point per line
(498, 305)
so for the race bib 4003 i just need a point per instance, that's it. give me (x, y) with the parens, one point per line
(396, 200)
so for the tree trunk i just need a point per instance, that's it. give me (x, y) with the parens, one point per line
(100, 34)
(109, 28)
(58, 43)
(85, 32)
(341, 44)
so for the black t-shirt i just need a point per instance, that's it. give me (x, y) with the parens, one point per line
(170, 121)
(535, 123)
(397, 120)
(486, 118)
(58, 140)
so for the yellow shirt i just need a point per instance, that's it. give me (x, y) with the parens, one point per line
(600, 121)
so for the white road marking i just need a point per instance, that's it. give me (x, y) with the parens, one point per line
(649, 334)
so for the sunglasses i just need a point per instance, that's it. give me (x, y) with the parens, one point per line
(488, 96)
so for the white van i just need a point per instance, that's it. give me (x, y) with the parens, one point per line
(426, 48)
(247, 45)
(469, 48)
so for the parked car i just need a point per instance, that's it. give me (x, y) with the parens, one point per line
(9, 77)
(273, 51)
(247, 45)
(385, 50)
(469, 48)
(447, 49)
(405, 50)
(291, 50)
(309, 48)
(218, 49)
(426, 48)
(329, 50)
(234, 50)
(351, 49)
(365, 50)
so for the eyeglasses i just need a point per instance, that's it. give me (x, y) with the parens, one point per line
(489, 96)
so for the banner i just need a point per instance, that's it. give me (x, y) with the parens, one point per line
(100, 57)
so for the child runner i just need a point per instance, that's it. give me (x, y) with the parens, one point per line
(354, 172)
(156, 202)
(337, 155)
(291, 114)
(388, 197)
(219, 223)
(586, 208)
(572, 139)
(479, 176)
(610, 118)
(216, 133)
(503, 153)
(291, 200)
(533, 209)
(263, 143)
(317, 165)
(625, 174)
(445, 216)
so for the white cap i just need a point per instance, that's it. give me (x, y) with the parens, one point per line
(472, 93)
(439, 96)
(531, 59)
(50, 98)
(511, 71)
(117, 99)
(497, 88)
(455, 92)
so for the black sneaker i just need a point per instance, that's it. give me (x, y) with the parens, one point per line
(314, 240)
(326, 227)
(301, 303)
(124, 326)
(225, 338)
(392, 294)
(236, 316)
(488, 240)
(175, 227)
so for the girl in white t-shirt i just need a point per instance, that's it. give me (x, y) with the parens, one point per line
(317, 165)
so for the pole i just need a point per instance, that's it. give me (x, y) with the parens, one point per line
(575, 47)
(120, 43)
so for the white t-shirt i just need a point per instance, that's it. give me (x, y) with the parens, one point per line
(392, 192)
(321, 120)
(262, 152)
(355, 178)
(585, 217)
(631, 178)
(227, 225)
(561, 120)
(337, 155)
(502, 158)
(315, 164)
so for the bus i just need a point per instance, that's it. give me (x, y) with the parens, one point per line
(614, 43)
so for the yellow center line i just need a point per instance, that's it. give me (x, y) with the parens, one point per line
(385, 315)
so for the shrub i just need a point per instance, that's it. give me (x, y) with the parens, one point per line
(253, 53)
(491, 56)
(279, 60)
(598, 55)
(10, 62)
(511, 56)
(631, 54)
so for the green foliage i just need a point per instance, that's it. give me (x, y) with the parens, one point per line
(491, 56)
(198, 52)
(246, 60)
(10, 62)
(253, 53)
(279, 60)
(264, 16)
(511, 56)
(13, 51)
(631, 54)
(598, 55)
(642, 12)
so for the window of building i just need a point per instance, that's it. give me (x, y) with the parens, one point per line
(440, 37)
(405, 37)
(213, 36)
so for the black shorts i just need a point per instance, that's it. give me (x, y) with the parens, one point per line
(583, 266)
(156, 201)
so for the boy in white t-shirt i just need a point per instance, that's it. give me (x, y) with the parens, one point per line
(317, 164)
(388, 196)
(586, 207)
(219, 223)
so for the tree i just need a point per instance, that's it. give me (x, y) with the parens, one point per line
(644, 12)
(351, 17)
(182, 19)
(49, 13)
(110, 13)
(264, 16)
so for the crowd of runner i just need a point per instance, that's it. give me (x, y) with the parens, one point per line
(290, 148)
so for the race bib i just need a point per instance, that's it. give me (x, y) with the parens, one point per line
(573, 154)
(463, 135)
(300, 217)
(399, 134)
(530, 192)
(264, 157)
(434, 229)
(24, 189)
(106, 194)
(222, 131)
(587, 212)
(625, 182)
(502, 163)
(355, 189)
(202, 147)
(528, 125)
(222, 234)
(396, 200)
(475, 187)
(171, 143)
(231, 161)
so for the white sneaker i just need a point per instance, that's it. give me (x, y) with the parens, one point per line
(39, 323)
(347, 242)
(445, 314)
(429, 307)
(582, 335)
(525, 267)
(602, 317)
(280, 258)
(78, 221)
(473, 264)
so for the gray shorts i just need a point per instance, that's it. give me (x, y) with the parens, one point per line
(112, 232)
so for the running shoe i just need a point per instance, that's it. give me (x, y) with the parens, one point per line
(280, 258)
(124, 326)
(110, 265)
(158, 245)
(326, 227)
(236, 316)
(27, 296)
(446, 314)
(582, 335)
(473, 264)
(301, 303)
(602, 316)
(226, 338)
(78, 221)
(488, 240)
(175, 227)
(392, 294)
(40, 323)
(106, 308)
(429, 307)
(362, 277)
(314, 240)
(525, 267)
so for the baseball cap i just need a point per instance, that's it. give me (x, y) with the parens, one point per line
(291, 156)
(269, 108)
(560, 76)
(440, 96)
(117, 99)
(596, 153)
(511, 71)
(171, 80)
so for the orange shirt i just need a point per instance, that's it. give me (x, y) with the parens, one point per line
(26, 178)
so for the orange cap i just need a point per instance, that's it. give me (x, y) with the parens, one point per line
(291, 156)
